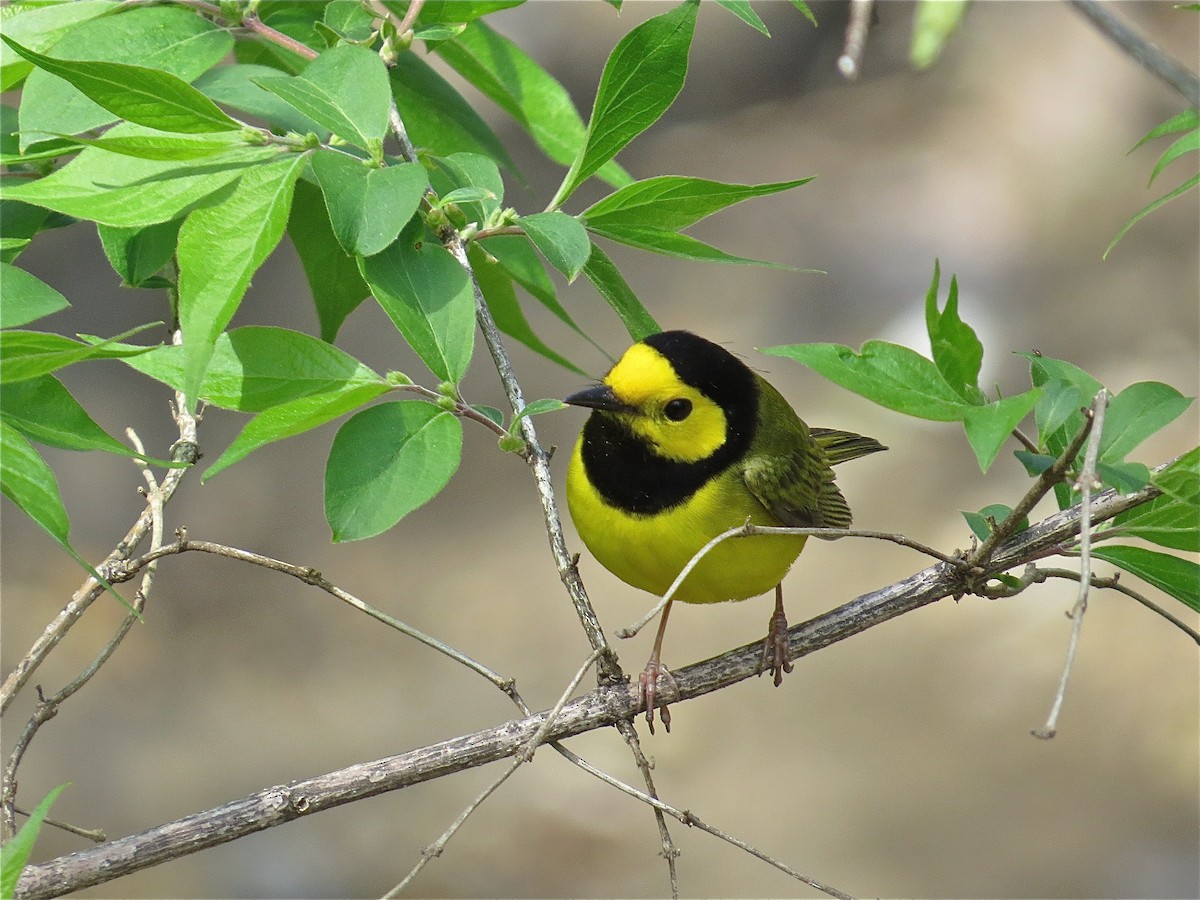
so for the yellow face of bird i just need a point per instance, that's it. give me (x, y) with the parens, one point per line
(676, 420)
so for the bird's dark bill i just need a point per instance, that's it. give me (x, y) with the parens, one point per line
(600, 396)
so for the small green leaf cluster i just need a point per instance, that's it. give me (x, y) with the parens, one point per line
(944, 387)
(196, 142)
(1187, 122)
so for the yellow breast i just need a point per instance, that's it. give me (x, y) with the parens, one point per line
(650, 551)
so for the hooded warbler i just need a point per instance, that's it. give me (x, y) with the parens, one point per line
(683, 443)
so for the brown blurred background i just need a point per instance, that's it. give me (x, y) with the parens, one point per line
(898, 763)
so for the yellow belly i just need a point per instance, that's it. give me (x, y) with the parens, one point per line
(649, 552)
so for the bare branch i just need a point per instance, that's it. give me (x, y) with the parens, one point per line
(604, 706)
(435, 849)
(1146, 54)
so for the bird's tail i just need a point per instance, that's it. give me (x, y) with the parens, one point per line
(841, 446)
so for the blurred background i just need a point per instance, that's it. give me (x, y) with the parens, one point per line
(898, 763)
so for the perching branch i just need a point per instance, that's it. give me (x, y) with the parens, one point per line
(604, 706)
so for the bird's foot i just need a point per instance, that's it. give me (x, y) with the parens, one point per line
(775, 647)
(648, 689)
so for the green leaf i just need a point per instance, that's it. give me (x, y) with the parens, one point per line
(805, 11)
(1172, 520)
(1060, 401)
(124, 191)
(642, 77)
(345, 89)
(16, 851)
(887, 374)
(438, 119)
(501, 299)
(1035, 463)
(1175, 576)
(26, 298)
(333, 277)
(674, 243)
(30, 354)
(515, 82)
(1136, 413)
(256, 367)
(385, 462)
(148, 97)
(459, 172)
(522, 262)
(1126, 477)
(956, 349)
(220, 247)
(27, 481)
(428, 295)
(1062, 405)
(988, 427)
(171, 40)
(43, 410)
(536, 408)
(613, 287)
(672, 202)
(138, 254)
(163, 146)
(742, 9)
(368, 206)
(294, 417)
(490, 411)
(40, 28)
(560, 238)
(1151, 207)
(1184, 121)
(439, 11)
(933, 23)
(998, 512)
(1189, 143)
(236, 86)
(1181, 479)
(349, 19)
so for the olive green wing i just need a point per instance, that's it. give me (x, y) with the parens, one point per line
(798, 488)
(789, 467)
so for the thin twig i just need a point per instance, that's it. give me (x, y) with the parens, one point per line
(603, 707)
(669, 851)
(1146, 54)
(687, 817)
(850, 62)
(1041, 487)
(311, 576)
(749, 530)
(435, 849)
(539, 462)
(1088, 481)
(185, 450)
(96, 835)
(1115, 584)
(253, 23)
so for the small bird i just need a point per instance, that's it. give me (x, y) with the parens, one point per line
(683, 443)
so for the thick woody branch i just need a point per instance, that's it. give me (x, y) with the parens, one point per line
(605, 706)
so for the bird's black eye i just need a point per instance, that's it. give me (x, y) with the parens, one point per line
(678, 410)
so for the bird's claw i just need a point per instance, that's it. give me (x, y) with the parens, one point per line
(775, 648)
(648, 691)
